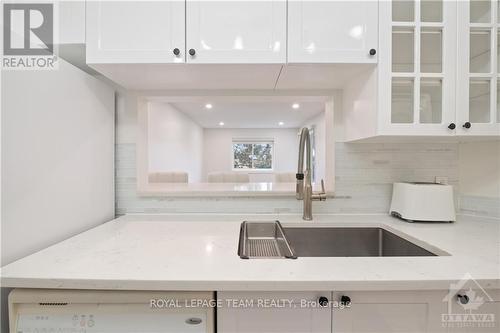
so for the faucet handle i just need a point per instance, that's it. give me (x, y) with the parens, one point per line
(321, 196)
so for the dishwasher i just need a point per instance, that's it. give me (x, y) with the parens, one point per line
(92, 311)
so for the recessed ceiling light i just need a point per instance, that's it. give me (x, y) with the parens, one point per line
(221, 123)
(295, 105)
(281, 123)
(208, 106)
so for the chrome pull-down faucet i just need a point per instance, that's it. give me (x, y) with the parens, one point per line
(304, 183)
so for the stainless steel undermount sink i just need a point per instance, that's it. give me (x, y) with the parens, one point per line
(271, 240)
(350, 242)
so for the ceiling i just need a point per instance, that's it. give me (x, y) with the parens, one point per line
(250, 114)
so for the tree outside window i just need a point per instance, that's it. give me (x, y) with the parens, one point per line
(253, 155)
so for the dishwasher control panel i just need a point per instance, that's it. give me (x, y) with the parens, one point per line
(95, 311)
(111, 322)
(52, 323)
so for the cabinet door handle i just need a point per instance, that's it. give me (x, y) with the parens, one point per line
(373, 52)
(345, 300)
(467, 125)
(177, 51)
(464, 299)
(323, 301)
(452, 126)
(192, 52)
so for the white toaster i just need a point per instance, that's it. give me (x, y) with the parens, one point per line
(426, 202)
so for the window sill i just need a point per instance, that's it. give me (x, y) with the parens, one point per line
(254, 170)
(220, 190)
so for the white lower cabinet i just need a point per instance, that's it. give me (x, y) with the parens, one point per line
(390, 311)
(238, 316)
(480, 312)
(369, 311)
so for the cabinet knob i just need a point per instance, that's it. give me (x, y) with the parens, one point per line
(177, 51)
(192, 52)
(373, 52)
(464, 299)
(323, 301)
(452, 126)
(466, 125)
(345, 300)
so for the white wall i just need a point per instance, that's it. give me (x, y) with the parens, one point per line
(57, 158)
(479, 169)
(175, 141)
(217, 153)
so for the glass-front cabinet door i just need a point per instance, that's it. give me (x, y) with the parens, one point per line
(478, 96)
(417, 78)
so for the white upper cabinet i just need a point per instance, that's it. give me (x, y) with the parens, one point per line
(429, 82)
(417, 77)
(232, 32)
(244, 32)
(332, 31)
(71, 22)
(478, 111)
(135, 31)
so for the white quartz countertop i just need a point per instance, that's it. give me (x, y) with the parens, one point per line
(199, 252)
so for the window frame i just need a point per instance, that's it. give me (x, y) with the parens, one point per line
(253, 142)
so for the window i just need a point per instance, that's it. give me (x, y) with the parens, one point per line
(256, 155)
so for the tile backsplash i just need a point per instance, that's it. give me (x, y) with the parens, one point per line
(364, 175)
(480, 206)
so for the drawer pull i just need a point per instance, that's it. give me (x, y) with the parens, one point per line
(193, 321)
